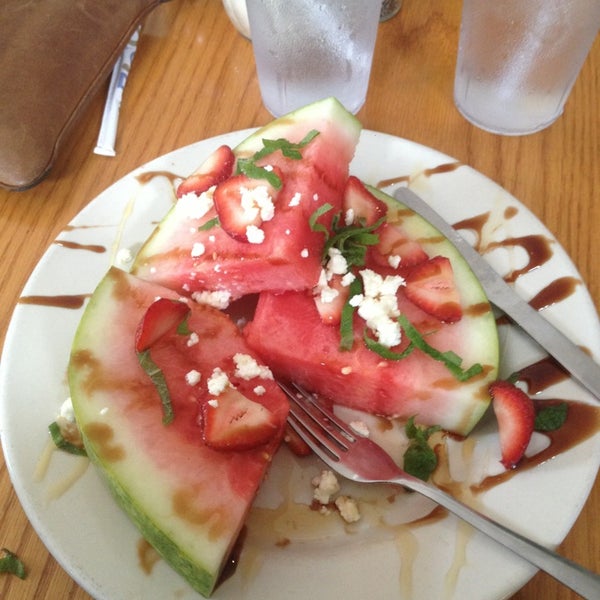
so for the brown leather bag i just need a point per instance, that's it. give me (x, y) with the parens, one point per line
(54, 56)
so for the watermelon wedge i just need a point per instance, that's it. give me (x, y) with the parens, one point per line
(188, 499)
(183, 255)
(290, 335)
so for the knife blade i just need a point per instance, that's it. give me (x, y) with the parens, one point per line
(579, 364)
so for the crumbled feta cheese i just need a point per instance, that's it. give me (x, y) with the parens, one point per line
(193, 377)
(217, 382)
(378, 306)
(328, 294)
(198, 249)
(346, 370)
(356, 300)
(377, 286)
(347, 279)
(260, 390)
(360, 427)
(336, 264)
(257, 202)
(124, 256)
(213, 403)
(211, 238)
(192, 340)
(192, 206)
(295, 201)
(394, 260)
(326, 485)
(348, 509)
(304, 253)
(219, 298)
(254, 234)
(246, 367)
(66, 411)
(315, 197)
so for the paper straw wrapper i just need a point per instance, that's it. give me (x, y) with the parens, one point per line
(110, 118)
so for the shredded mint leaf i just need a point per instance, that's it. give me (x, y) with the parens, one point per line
(551, 417)
(313, 219)
(352, 241)
(384, 351)
(209, 224)
(61, 443)
(514, 377)
(158, 379)
(248, 166)
(347, 317)
(419, 459)
(287, 148)
(11, 563)
(183, 328)
(450, 359)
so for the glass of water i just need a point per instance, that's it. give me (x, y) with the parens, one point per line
(518, 60)
(307, 50)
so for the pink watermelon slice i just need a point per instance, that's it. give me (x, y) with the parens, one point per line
(188, 500)
(289, 334)
(183, 256)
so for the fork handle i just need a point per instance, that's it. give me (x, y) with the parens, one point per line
(581, 580)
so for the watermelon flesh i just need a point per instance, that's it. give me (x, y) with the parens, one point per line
(289, 335)
(188, 500)
(283, 261)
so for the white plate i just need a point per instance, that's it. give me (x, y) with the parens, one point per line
(94, 541)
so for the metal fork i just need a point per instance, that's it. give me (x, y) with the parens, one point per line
(360, 459)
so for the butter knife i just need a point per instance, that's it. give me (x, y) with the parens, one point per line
(583, 368)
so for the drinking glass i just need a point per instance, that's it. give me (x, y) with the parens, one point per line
(307, 50)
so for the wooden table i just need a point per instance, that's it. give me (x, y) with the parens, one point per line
(194, 77)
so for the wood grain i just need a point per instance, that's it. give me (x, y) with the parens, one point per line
(194, 77)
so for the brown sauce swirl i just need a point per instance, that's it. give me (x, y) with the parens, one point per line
(476, 225)
(75, 246)
(554, 292)
(536, 246)
(439, 169)
(70, 301)
(148, 176)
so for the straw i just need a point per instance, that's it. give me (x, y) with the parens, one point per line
(110, 118)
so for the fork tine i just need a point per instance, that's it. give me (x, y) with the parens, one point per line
(329, 417)
(319, 428)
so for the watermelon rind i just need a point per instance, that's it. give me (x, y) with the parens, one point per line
(188, 500)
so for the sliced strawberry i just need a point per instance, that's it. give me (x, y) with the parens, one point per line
(515, 414)
(242, 202)
(295, 443)
(161, 316)
(328, 303)
(233, 422)
(216, 168)
(393, 242)
(430, 286)
(366, 209)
